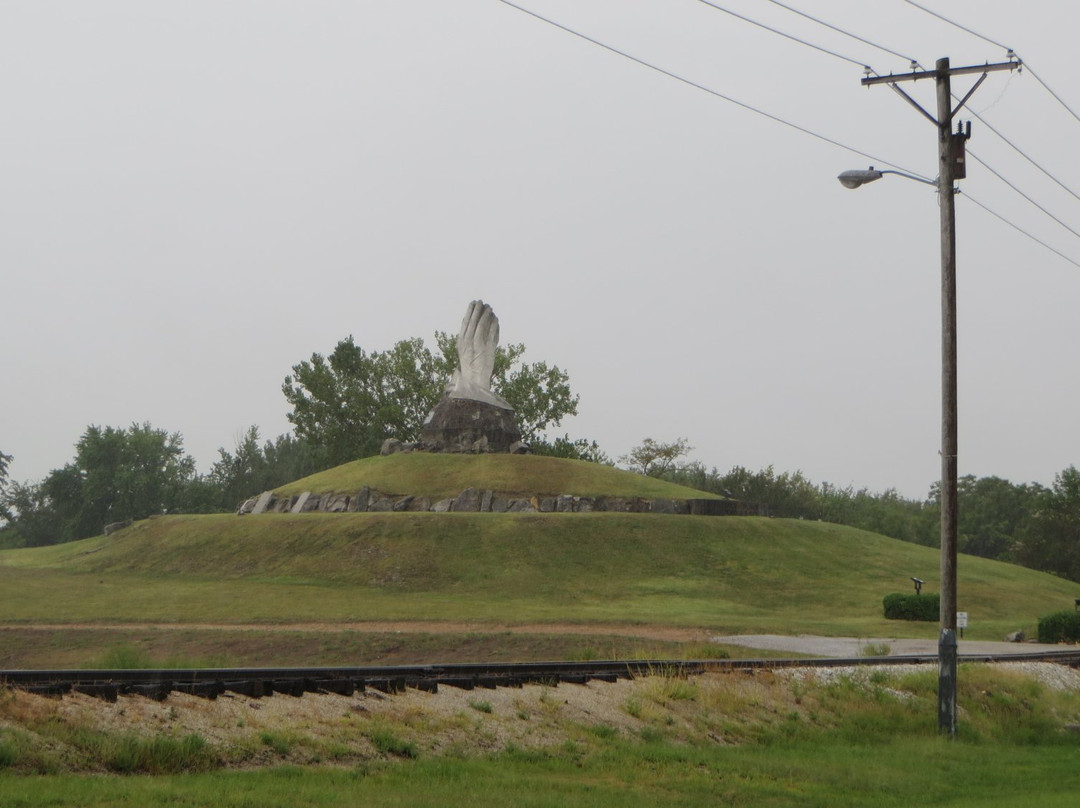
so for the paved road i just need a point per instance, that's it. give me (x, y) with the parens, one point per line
(855, 646)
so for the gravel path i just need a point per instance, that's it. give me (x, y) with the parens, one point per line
(855, 646)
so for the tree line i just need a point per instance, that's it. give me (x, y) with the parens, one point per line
(1026, 523)
(343, 406)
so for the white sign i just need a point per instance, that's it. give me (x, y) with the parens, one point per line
(961, 619)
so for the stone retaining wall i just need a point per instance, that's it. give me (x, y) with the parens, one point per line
(473, 500)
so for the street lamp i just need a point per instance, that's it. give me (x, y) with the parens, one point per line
(947, 649)
(858, 177)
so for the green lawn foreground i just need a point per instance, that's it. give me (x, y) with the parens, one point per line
(830, 775)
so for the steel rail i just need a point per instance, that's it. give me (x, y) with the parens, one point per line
(257, 682)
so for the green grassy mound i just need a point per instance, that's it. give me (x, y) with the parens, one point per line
(731, 574)
(446, 475)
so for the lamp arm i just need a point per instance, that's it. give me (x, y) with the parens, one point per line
(910, 176)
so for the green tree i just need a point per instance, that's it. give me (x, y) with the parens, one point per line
(5, 459)
(254, 467)
(117, 474)
(654, 458)
(992, 512)
(1050, 540)
(345, 405)
(573, 449)
(129, 474)
(32, 521)
(792, 495)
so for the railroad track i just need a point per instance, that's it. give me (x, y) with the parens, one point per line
(259, 682)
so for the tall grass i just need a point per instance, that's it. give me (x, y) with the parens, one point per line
(131, 754)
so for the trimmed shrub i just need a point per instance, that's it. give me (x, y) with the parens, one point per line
(912, 607)
(1060, 627)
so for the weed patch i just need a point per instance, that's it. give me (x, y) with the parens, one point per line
(875, 649)
(123, 657)
(386, 741)
(280, 742)
(9, 754)
(130, 754)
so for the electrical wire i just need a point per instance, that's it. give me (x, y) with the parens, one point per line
(1022, 153)
(933, 13)
(779, 120)
(1046, 87)
(777, 31)
(839, 30)
(1019, 229)
(1034, 75)
(989, 168)
(916, 64)
(708, 90)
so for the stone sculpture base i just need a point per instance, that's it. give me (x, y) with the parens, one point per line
(464, 425)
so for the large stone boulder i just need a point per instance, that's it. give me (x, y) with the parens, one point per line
(466, 426)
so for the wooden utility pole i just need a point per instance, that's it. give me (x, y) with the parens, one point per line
(947, 651)
(951, 167)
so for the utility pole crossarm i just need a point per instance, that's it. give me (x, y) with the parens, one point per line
(967, 97)
(931, 74)
(915, 104)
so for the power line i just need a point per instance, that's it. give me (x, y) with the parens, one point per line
(1022, 153)
(772, 117)
(1035, 75)
(788, 36)
(983, 163)
(914, 63)
(839, 30)
(1046, 87)
(933, 13)
(703, 88)
(1019, 229)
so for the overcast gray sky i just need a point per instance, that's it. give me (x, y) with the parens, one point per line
(195, 196)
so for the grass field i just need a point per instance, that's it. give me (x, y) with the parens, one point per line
(727, 574)
(446, 475)
(150, 646)
(187, 579)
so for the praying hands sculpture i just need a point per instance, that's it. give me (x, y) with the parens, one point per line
(476, 343)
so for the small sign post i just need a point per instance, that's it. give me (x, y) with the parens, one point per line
(961, 622)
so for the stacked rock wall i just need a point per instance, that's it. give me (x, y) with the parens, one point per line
(473, 500)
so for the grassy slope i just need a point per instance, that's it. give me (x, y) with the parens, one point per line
(731, 574)
(446, 475)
